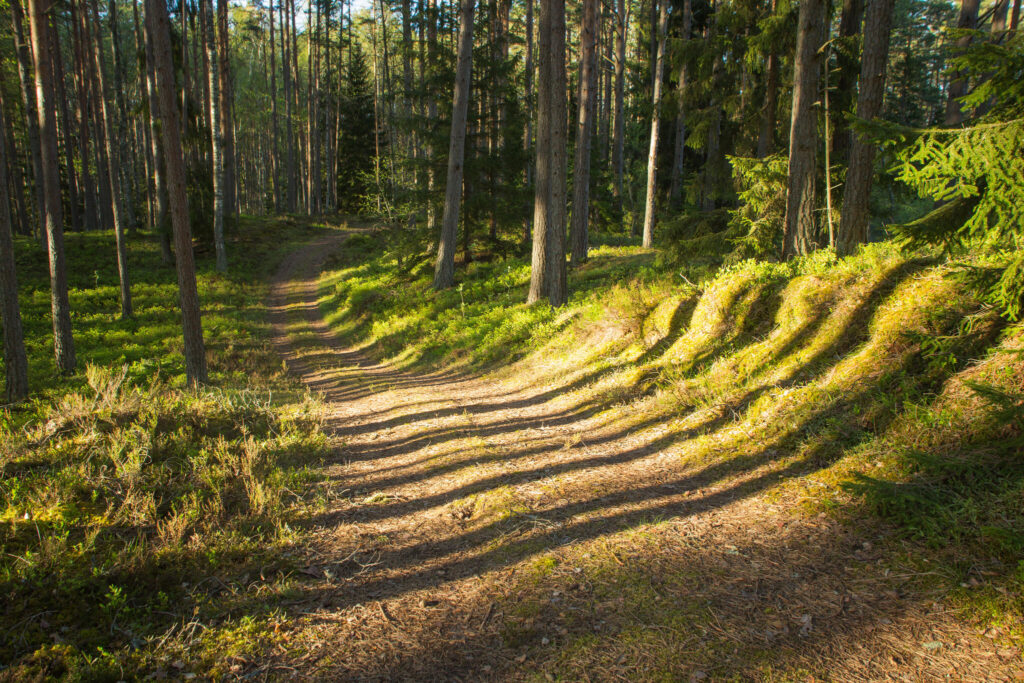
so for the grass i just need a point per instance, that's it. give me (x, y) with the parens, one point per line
(143, 526)
(877, 390)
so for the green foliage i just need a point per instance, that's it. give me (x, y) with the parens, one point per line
(976, 172)
(761, 184)
(356, 150)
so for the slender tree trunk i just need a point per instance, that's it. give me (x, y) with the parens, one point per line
(15, 358)
(107, 140)
(120, 122)
(64, 345)
(444, 270)
(679, 153)
(766, 135)
(528, 132)
(652, 154)
(92, 217)
(163, 220)
(618, 144)
(217, 139)
(853, 223)
(65, 133)
(273, 115)
(968, 19)
(227, 111)
(584, 133)
(28, 101)
(542, 175)
(289, 136)
(14, 166)
(431, 113)
(159, 30)
(803, 136)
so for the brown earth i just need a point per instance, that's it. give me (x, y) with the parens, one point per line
(507, 526)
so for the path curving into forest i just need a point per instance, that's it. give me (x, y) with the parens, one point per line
(507, 527)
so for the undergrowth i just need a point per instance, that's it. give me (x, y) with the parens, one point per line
(144, 527)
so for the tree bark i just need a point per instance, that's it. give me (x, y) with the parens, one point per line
(652, 154)
(769, 113)
(803, 135)
(444, 269)
(542, 175)
(273, 115)
(227, 111)
(853, 223)
(216, 139)
(28, 101)
(968, 19)
(619, 131)
(159, 30)
(842, 96)
(578, 228)
(107, 139)
(15, 358)
(64, 345)
(163, 221)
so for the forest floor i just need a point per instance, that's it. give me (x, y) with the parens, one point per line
(516, 523)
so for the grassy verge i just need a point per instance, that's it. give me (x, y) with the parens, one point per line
(144, 528)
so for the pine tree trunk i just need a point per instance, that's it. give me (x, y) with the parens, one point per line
(528, 132)
(15, 358)
(289, 135)
(679, 152)
(163, 219)
(28, 101)
(841, 97)
(92, 217)
(619, 134)
(14, 167)
(553, 84)
(432, 114)
(803, 134)
(444, 270)
(274, 156)
(64, 345)
(159, 33)
(958, 87)
(652, 154)
(65, 133)
(107, 140)
(120, 123)
(227, 111)
(542, 175)
(584, 133)
(217, 139)
(853, 224)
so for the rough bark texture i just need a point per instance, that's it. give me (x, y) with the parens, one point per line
(15, 359)
(968, 19)
(542, 175)
(853, 224)
(558, 292)
(652, 153)
(158, 27)
(64, 345)
(803, 133)
(227, 111)
(107, 139)
(216, 139)
(444, 269)
(584, 133)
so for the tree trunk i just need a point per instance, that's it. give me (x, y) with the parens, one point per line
(853, 224)
(841, 98)
(803, 134)
(584, 133)
(548, 276)
(528, 132)
(92, 218)
(444, 270)
(289, 136)
(15, 359)
(273, 114)
(217, 139)
(159, 30)
(163, 221)
(652, 154)
(766, 135)
(968, 19)
(619, 132)
(65, 133)
(63, 343)
(28, 101)
(679, 153)
(227, 111)
(119, 123)
(107, 139)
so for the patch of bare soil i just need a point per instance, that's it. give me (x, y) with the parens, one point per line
(509, 528)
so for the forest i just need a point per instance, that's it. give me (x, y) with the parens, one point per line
(600, 340)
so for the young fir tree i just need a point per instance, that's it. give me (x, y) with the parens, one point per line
(355, 135)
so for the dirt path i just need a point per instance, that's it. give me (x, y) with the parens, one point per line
(486, 527)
